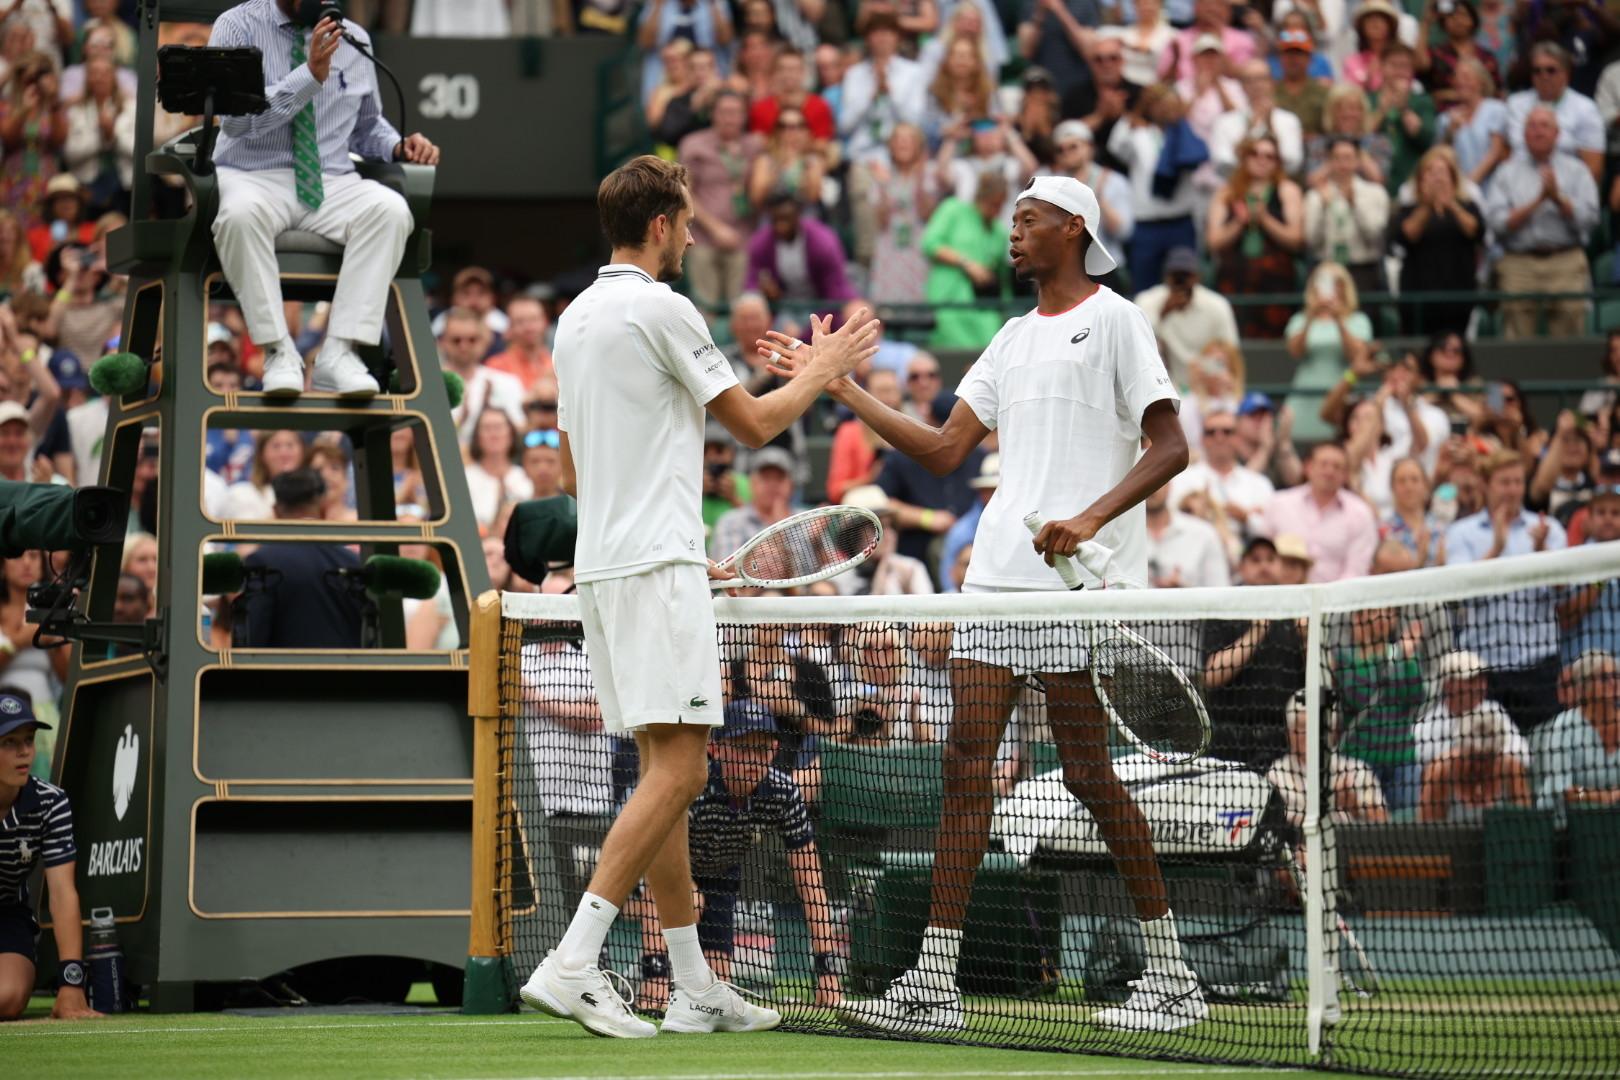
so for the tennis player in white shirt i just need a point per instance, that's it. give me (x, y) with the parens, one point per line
(636, 369)
(1071, 388)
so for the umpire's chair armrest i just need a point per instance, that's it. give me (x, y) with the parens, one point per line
(413, 182)
(178, 158)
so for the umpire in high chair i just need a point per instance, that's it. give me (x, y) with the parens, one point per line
(288, 168)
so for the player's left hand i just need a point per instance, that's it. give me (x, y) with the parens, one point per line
(417, 150)
(1064, 537)
(71, 1004)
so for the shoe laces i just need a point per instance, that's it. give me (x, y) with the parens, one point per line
(620, 986)
(742, 993)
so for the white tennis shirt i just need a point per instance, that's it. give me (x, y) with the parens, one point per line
(1066, 394)
(635, 367)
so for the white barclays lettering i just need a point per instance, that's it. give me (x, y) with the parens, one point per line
(113, 857)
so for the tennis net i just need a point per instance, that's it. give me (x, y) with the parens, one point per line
(1400, 855)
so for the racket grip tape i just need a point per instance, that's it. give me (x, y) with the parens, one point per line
(1061, 563)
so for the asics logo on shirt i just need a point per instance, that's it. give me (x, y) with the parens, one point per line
(1081, 336)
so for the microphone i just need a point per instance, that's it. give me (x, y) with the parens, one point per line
(118, 375)
(414, 579)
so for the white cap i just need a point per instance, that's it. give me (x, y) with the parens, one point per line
(1067, 193)
(989, 473)
(11, 411)
(1461, 665)
(1073, 129)
(868, 497)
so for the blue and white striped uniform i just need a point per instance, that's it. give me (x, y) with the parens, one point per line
(348, 110)
(38, 828)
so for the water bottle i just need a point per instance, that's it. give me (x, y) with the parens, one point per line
(104, 961)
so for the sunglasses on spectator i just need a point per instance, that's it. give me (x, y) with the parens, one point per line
(1264, 155)
(462, 339)
(539, 406)
(546, 437)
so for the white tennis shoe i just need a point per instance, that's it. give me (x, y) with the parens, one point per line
(586, 997)
(719, 1008)
(1158, 1002)
(910, 1007)
(339, 370)
(283, 370)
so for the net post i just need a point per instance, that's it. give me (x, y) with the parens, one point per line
(1319, 982)
(487, 983)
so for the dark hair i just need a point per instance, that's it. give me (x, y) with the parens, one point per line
(1329, 444)
(1336, 141)
(139, 583)
(1607, 364)
(298, 489)
(640, 190)
(780, 198)
(1436, 343)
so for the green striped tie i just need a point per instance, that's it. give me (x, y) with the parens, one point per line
(306, 150)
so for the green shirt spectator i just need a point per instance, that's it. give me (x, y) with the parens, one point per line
(966, 245)
(1404, 115)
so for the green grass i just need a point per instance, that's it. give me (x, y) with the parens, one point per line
(443, 1045)
(448, 1046)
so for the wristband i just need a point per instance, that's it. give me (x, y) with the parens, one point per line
(827, 963)
(654, 966)
(71, 973)
(926, 519)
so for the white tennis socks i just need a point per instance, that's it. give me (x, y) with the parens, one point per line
(581, 946)
(687, 965)
(1164, 946)
(941, 952)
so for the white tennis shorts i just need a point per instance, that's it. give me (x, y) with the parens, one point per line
(1025, 647)
(653, 647)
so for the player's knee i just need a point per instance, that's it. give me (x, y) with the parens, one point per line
(1088, 780)
(13, 1000)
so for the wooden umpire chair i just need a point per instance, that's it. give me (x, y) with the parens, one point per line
(248, 811)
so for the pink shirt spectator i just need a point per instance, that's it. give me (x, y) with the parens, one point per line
(1342, 535)
(1360, 69)
(1238, 45)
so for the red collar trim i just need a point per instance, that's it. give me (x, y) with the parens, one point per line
(1095, 290)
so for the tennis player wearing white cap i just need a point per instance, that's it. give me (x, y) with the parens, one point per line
(1071, 388)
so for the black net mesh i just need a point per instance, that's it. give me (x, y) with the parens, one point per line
(1468, 840)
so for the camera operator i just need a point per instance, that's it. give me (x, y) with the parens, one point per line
(299, 607)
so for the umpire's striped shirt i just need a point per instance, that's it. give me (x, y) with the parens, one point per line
(348, 110)
(38, 828)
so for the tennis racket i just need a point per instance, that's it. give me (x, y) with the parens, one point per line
(805, 548)
(1355, 968)
(1145, 693)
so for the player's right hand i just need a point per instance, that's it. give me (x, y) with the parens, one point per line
(323, 45)
(845, 349)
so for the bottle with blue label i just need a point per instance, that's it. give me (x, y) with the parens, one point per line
(104, 960)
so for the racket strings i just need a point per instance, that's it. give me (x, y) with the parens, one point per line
(805, 548)
(1144, 690)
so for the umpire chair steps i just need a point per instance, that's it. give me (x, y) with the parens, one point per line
(259, 810)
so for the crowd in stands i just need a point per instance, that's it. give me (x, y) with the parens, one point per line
(844, 155)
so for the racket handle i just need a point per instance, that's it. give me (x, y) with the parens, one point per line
(1061, 563)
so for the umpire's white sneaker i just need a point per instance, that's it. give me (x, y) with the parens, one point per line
(910, 1007)
(586, 997)
(1158, 1002)
(283, 370)
(719, 1008)
(339, 370)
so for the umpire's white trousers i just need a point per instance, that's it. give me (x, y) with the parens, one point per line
(372, 223)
